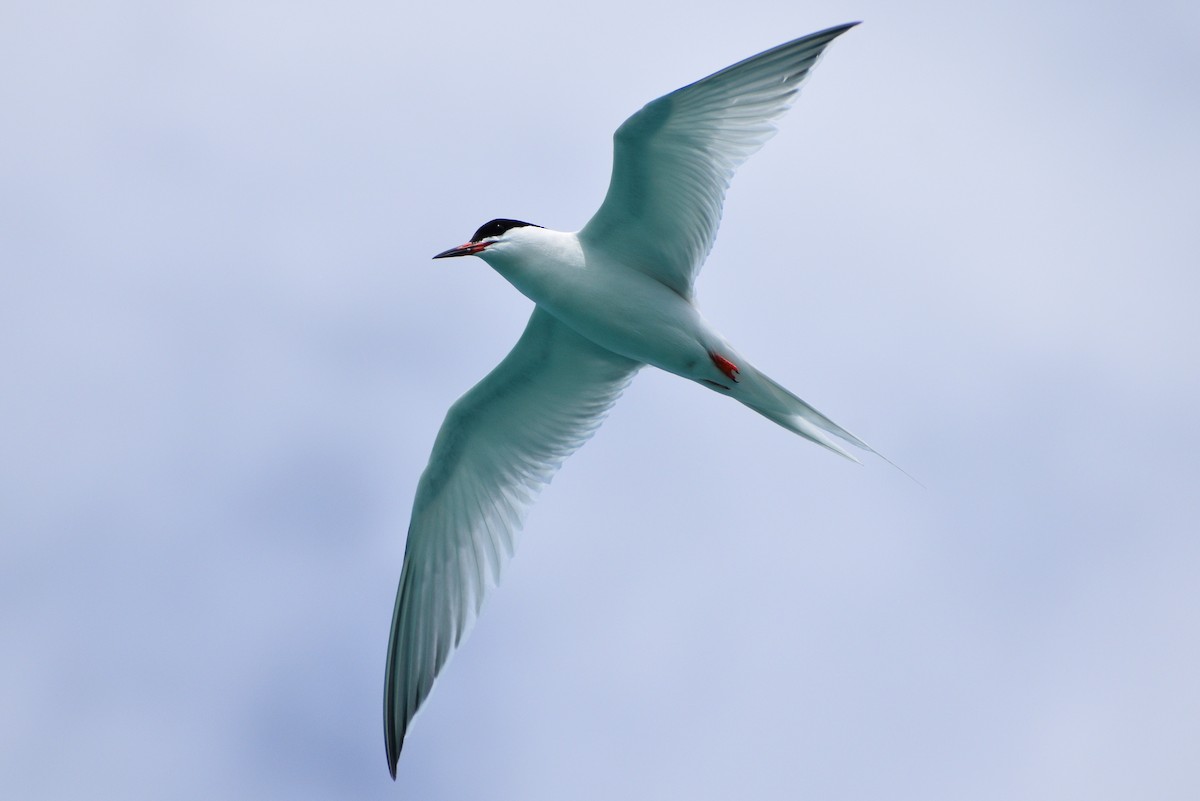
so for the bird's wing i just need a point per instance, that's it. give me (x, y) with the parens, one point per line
(673, 160)
(500, 443)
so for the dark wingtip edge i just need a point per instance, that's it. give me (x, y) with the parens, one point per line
(393, 741)
(836, 30)
(393, 746)
(393, 749)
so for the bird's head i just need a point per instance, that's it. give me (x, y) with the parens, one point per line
(494, 236)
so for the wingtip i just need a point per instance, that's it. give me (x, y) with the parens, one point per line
(393, 757)
(391, 743)
(826, 36)
(838, 30)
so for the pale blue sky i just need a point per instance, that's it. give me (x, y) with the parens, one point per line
(227, 352)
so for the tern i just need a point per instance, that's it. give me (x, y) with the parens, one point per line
(609, 299)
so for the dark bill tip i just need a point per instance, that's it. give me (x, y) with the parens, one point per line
(469, 249)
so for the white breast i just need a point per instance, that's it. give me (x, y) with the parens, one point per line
(619, 308)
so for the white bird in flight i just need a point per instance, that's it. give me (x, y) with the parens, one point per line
(610, 298)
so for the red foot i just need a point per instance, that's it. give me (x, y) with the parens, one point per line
(725, 366)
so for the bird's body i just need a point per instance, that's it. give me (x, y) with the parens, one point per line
(621, 309)
(610, 298)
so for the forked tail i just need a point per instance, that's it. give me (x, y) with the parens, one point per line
(775, 402)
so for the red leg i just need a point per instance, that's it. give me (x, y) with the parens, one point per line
(724, 365)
